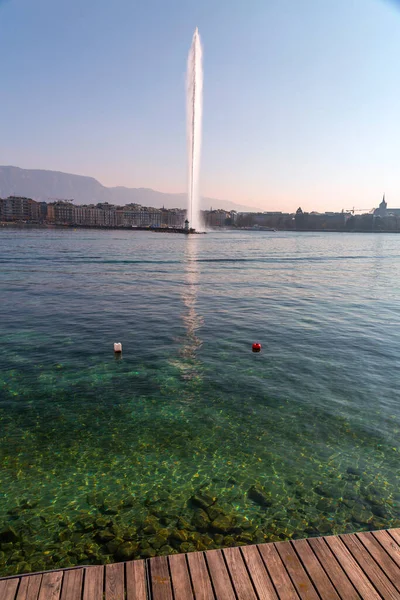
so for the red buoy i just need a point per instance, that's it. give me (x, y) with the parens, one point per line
(256, 347)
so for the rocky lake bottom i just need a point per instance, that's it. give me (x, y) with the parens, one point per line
(111, 530)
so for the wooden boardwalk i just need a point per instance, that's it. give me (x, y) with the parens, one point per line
(358, 566)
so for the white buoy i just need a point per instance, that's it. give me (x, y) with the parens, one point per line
(117, 347)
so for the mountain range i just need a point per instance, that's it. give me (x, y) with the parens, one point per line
(48, 186)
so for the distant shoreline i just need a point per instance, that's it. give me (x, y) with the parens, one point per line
(18, 225)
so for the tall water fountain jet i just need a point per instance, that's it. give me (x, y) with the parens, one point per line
(194, 125)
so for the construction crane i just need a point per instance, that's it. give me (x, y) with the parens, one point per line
(366, 211)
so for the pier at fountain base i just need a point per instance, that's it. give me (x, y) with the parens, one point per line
(178, 230)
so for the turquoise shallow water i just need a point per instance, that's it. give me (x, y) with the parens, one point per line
(102, 459)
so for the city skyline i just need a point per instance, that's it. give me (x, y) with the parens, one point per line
(300, 101)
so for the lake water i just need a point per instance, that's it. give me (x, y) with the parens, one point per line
(102, 458)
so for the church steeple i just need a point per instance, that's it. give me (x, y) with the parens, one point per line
(382, 207)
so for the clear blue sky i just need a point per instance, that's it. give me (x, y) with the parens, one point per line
(301, 97)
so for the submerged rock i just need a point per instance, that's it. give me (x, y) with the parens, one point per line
(110, 508)
(179, 535)
(187, 547)
(229, 541)
(91, 549)
(184, 524)
(352, 471)
(203, 500)
(64, 535)
(258, 537)
(151, 525)
(128, 502)
(374, 500)
(28, 549)
(95, 499)
(113, 546)
(327, 491)
(258, 495)
(23, 567)
(380, 511)
(201, 520)
(102, 522)
(324, 527)
(349, 502)
(361, 516)
(150, 552)
(214, 512)
(105, 536)
(13, 512)
(164, 532)
(194, 536)
(144, 544)
(206, 540)
(246, 538)
(223, 524)
(129, 533)
(85, 524)
(157, 541)
(126, 551)
(324, 505)
(165, 551)
(8, 534)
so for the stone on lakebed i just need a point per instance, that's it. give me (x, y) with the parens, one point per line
(258, 494)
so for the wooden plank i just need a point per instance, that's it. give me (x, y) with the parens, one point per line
(239, 575)
(299, 577)
(335, 572)
(8, 588)
(258, 573)
(391, 547)
(199, 574)
(316, 573)
(350, 566)
(160, 579)
(181, 583)
(72, 585)
(277, 572)
(115, 582)
(29, 587)
(395, 533)
(51, 586)
(93, 583)
(370, 568)
(136, 581)
(382, 558)
(219, 575)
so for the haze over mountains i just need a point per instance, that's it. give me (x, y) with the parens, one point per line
(48, 186)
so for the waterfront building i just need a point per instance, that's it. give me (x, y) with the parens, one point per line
(217, 218)
(16, 208)
(173, 218)
(60, 213)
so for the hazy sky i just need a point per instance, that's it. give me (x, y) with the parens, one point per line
(301, 97)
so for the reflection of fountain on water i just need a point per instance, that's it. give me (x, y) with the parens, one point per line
(191, 318)
(189, 365)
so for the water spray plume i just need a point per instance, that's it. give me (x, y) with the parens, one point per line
(194, 109)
